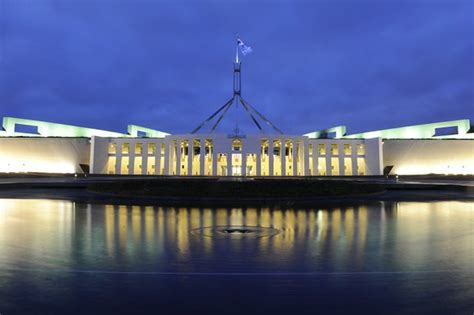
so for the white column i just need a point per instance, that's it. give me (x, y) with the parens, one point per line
(244, 158)
(315, 159)
(190, 156)
(202, 157)
(131, 160)
(158, 165)
(229, 163)
(354, 158)
(305, 156)
(328, 161)
(270, 157)
(178, 157)
(340, 147)
(294, 157)
(214, 163)
(168, 152)
(283, 157)
(259, 163)
(118, 160)
(145, 158)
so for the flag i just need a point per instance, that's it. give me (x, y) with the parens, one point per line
(244, 48)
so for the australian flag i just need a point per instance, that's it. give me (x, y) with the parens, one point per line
(243, 48)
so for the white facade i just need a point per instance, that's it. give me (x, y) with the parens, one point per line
(418, 157)
(222, 155)
(44, 155)
(158, 153)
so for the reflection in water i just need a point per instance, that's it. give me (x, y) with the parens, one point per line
(46, 237)
(403, 235)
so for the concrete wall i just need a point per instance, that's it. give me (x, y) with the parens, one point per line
(374, 156)
(417, 157)
(99, 155)
(43, 155)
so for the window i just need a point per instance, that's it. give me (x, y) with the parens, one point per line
(347, 166)
(237, 145)
(111, 165)
(137, 166)
(335, 166)
(138, 148)
(360, 166)
(446, 131)
(347, 149)
(310, 149)
(321, 149)
(360, 149)
(322, 166)
(112, 148)
(334, 149)
(151, 148)
(125, 148)
(26, 129)
(151, 165)
(124, 165)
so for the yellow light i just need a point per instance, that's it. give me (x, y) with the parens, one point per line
(18, 165)
(465, 167)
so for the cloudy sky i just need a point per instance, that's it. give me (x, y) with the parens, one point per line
(168, 64)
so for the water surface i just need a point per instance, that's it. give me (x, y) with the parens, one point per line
(378, 257)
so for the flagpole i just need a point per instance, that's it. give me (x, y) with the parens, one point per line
(236, 53)
(255, 115)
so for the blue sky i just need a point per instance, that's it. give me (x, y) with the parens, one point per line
(168, 64)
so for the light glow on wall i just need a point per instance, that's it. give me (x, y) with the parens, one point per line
(18, 165)
(465, 167)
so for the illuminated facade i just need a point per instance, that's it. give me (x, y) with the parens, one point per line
(42, 147)
(56, 148)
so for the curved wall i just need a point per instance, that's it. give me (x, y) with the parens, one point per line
(420, 157)
(43, 155)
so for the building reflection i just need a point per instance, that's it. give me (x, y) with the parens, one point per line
(146, 230)
(76, 234)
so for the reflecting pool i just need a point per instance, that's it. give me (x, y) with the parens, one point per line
(378, 257)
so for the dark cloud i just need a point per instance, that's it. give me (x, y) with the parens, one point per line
(168, 64)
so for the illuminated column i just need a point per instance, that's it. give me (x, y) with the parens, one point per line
(259, 162)
(118, 160)
(131, 160)
(340, 150)
(190, 156)
(294, 157)
(168, 152)
(354, 158)
(178, 157)
(145, 158)
(328, 160)
(270, 156)
(202, 156)
(214, 162)
(158, 165)
(305, 156)
(244, 158)
(283, 157)
(315, 159)
(229, 163)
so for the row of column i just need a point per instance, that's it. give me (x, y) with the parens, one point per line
(145, 156)
(174, 154)
(341, 159)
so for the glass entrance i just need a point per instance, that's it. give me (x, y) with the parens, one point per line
(237, 164)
